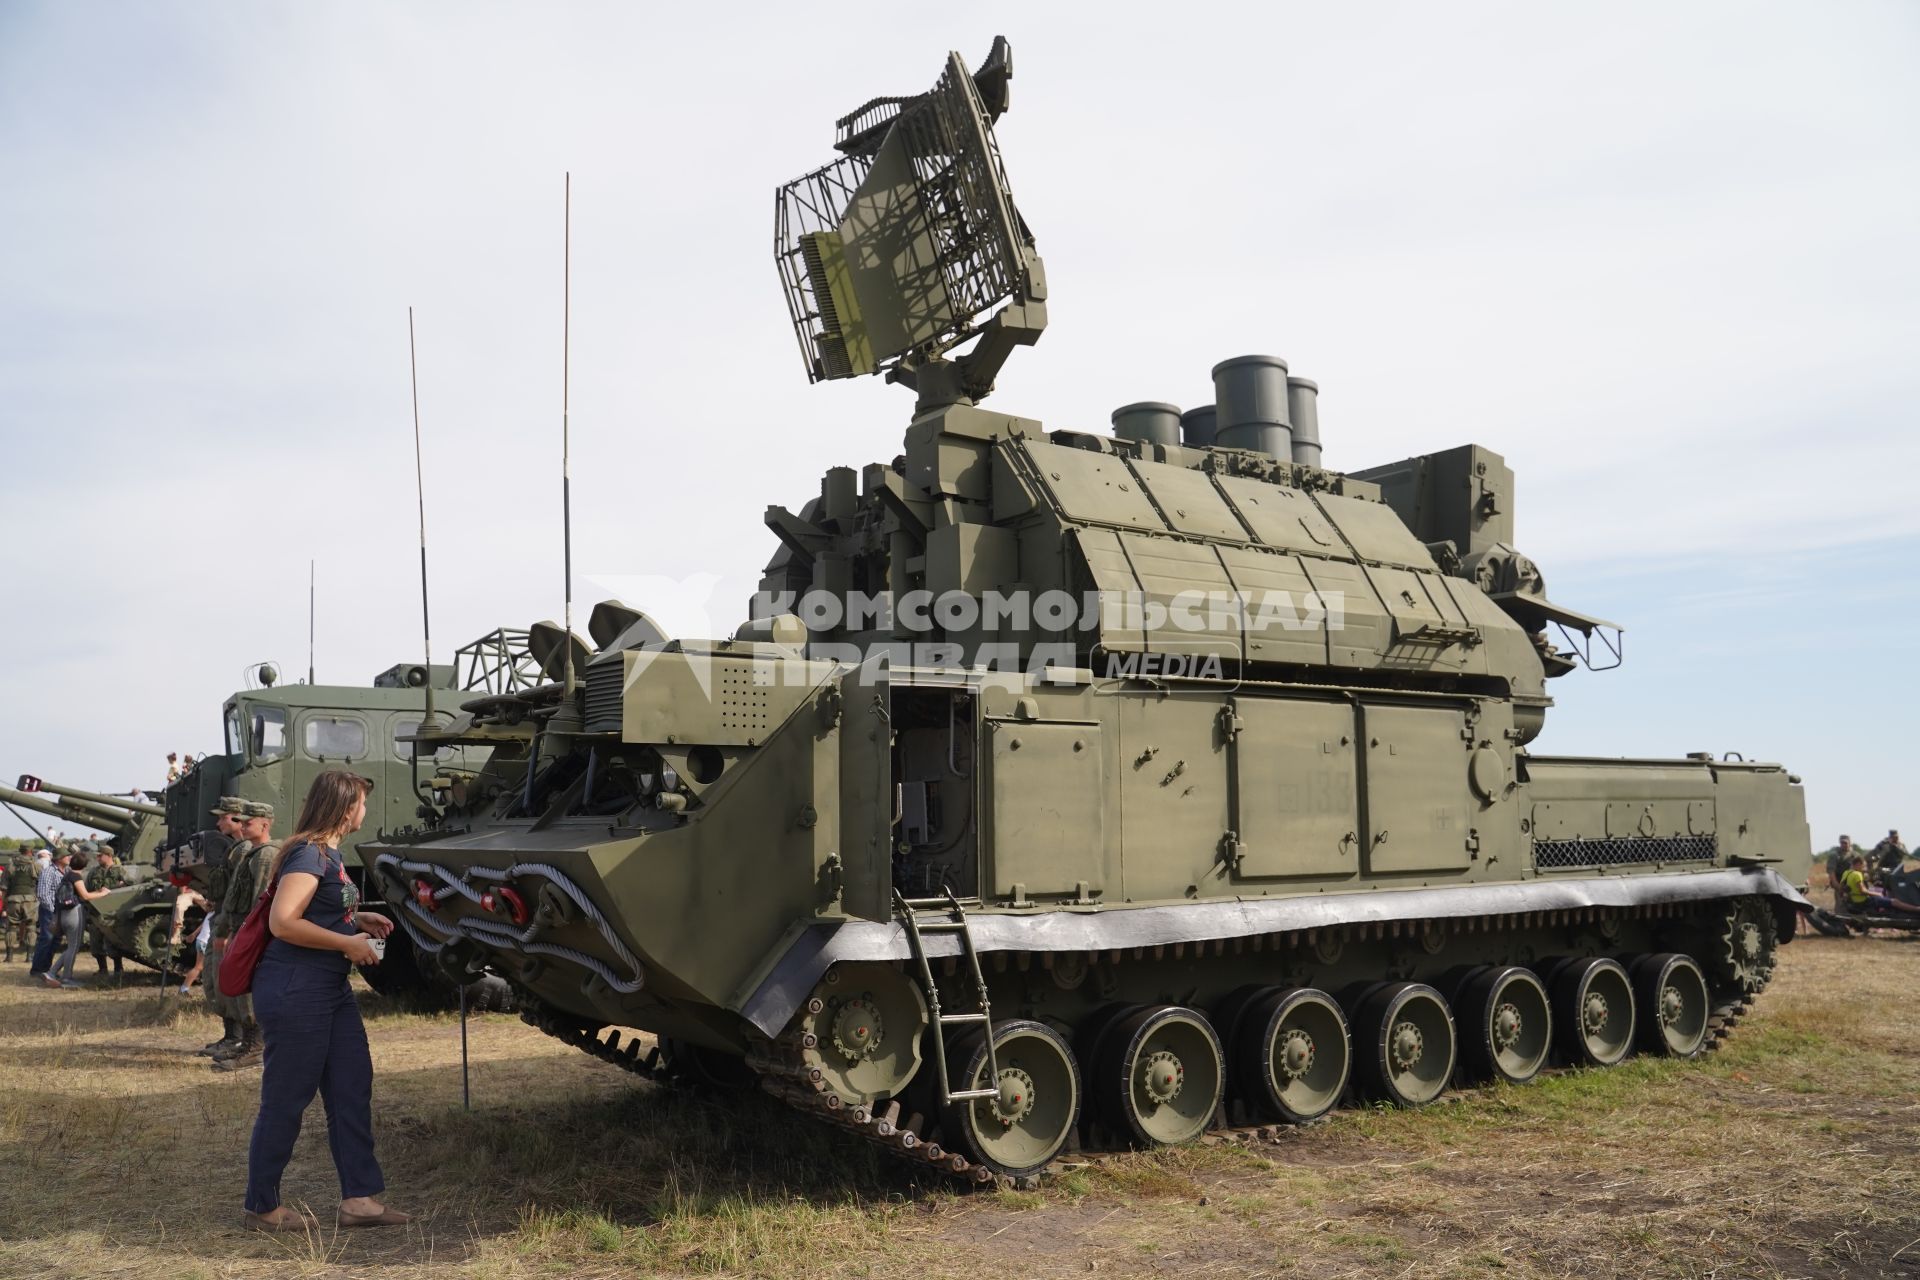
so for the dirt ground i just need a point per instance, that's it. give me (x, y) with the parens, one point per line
(1793, 1152)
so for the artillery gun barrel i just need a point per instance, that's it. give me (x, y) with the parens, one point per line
(98, 817)
(95, 798)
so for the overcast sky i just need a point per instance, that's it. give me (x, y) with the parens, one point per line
(1663, 257)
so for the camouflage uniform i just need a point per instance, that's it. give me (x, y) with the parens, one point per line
(246, 881)
(16, 930)
(250, 883)
(1837, 861)
(225, 923)
(101, 876)
(217, 883)
(248, 870)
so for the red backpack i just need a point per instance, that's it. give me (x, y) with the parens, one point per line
(244, 949)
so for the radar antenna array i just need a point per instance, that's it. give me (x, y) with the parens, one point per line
(896, 252)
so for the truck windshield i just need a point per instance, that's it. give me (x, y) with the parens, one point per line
(267, 739)
(234, 741)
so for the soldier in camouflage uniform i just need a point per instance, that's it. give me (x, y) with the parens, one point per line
(106, 873)
(246, 881)
(1890, 854)
(16, 928)
(229, 815)
(1837, 864)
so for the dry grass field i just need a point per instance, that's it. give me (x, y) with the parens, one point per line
(1794, 1152)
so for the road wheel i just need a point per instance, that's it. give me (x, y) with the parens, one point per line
(1593, 1011)
(1036, 1102)
(1671, 992)
(1290, 1054)
(1505, 1025)
(1404, 1043)
(1160, 1075)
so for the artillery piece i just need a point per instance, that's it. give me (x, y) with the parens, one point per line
(134, 826)
(1071, 787)
(136, 918)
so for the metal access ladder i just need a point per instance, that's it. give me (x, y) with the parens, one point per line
(949, 915)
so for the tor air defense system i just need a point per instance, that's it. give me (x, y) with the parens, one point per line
(1068, 786)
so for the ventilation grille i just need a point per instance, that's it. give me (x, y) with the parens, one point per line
(1556, 855)
(605, 683)
(741, 703)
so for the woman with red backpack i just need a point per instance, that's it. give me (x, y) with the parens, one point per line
(315, 1040)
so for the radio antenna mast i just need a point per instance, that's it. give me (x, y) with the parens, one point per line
(420, 494)
(566, 464)
(310, 598)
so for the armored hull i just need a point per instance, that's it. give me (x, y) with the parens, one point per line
(749, 852)
(1065, 787)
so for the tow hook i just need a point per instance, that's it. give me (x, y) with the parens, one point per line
(509, 900)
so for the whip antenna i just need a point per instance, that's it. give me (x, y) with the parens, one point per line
(310, 679)
(566, 466)
(420, 494)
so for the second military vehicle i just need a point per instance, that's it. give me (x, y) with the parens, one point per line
(1067, 786)
(279, 736)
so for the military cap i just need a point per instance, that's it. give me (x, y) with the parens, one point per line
(232, 805)
(259, 809)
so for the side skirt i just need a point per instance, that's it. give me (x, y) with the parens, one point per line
(1104, 929)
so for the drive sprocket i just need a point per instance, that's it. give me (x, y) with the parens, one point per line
(1745, 945)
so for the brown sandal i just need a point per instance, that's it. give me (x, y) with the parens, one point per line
(384, 1218)
(261, 1222)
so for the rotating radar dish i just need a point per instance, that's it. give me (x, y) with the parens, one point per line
(903, 248)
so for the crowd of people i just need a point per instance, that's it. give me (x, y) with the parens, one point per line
(43, 897)
(299, 1023)
(1861, 879)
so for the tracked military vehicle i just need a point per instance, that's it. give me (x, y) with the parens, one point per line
(1082, 787)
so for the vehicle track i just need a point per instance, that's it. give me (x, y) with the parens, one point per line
(908, 1136)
